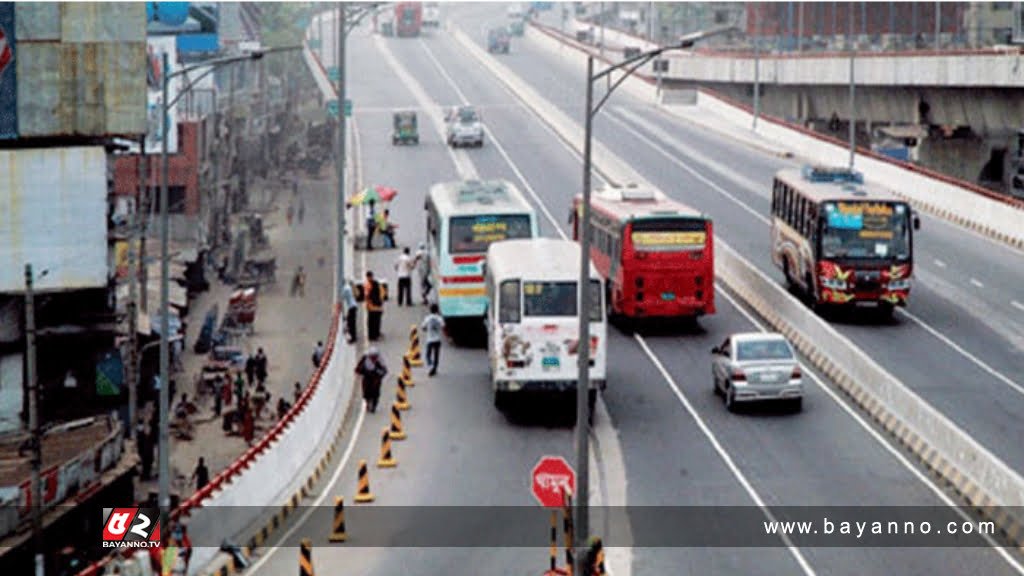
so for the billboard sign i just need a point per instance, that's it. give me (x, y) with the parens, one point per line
(53, 215)
(8, 74)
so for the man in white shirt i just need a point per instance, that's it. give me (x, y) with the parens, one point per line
(404, 266)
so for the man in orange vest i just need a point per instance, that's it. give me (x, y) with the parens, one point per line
(375, 295)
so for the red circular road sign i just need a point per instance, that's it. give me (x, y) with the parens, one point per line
(550, 478)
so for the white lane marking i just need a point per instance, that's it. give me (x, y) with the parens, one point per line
(689, 152)
(1017, 305)
(723, 454)
(496, 143)
(940, 263)
(933, 331)
(300, 523)
(463, 165)
(612, 478)
(690, 169)
(976, 283)
(977, 361)
(900, 457)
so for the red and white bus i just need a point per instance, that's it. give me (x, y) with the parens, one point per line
(408, 19)
(655, 254)
(840, 241)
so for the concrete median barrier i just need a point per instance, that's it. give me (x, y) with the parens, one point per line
(975, 473)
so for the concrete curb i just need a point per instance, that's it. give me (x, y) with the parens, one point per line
(951, 454)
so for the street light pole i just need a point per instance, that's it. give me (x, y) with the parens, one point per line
(853, 95)
(165, 351)
(339, 282)
(580, 521)
(583, 415)
(757, 66)
(33, 422)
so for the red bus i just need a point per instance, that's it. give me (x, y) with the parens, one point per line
(656, 254)
(408, 19)
(841, 241)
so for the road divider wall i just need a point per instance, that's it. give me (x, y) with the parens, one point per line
(958, 201)
(974, 472)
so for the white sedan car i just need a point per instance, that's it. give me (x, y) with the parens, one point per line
(756, 366)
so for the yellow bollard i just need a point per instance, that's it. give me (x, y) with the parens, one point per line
(338, 535)
(363, 495)
(397, 433)
(386, 460)
(401, 398)
(306, 558)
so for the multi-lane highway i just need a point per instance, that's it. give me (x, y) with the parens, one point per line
(662, 437)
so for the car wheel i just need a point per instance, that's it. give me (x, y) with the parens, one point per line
(714, 385)
(730, 401)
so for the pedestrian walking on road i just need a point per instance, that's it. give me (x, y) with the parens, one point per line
(423, 269)
(201, 475)
(282, 408)
(374, 305)
(404, 265)
(297, 391)
(240, 385)
(349, 301)
(318, 354)
(261, 367)
(248, 425)
(386, 229)
(250, 370)
(299, 283)
(371, 225)
(372, 369)
(433, 332)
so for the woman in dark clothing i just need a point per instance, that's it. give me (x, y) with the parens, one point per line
(373, 370)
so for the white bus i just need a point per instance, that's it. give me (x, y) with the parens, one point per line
(431, 15)
(532, 321)
(463, 219)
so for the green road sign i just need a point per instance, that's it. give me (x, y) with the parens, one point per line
(332, 108)
(332, 74)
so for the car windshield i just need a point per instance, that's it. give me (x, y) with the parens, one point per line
(763, 350)
(467, 116)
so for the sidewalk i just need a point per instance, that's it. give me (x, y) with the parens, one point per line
(287, 328)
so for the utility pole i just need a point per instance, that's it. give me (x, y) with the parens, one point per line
(757, 65)
(33, 422)
(853, 93)
(135, 232)
(165, 324)
(339, 283)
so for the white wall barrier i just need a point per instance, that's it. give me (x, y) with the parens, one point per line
(975, 472)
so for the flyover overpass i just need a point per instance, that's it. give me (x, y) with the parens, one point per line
(891, 86)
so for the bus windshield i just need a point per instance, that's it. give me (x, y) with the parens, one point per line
(475, 233)
(669, 235)
(558, 299)
(872, 230)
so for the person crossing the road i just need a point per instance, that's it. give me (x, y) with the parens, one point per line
(433, 332)
(404, 265)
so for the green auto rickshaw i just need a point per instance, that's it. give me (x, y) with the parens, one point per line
(405, 130)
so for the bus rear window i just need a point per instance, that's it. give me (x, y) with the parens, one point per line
(558, 299)
(669, 235)
(475, 233)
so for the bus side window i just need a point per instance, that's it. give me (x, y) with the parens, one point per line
(508, 304)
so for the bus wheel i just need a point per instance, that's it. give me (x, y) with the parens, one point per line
(789, 277)
(501, 400)
(812, 299)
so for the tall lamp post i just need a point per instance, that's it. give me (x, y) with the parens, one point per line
(167, 75)
(631, 65)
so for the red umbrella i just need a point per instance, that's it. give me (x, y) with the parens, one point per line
(386, 193)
